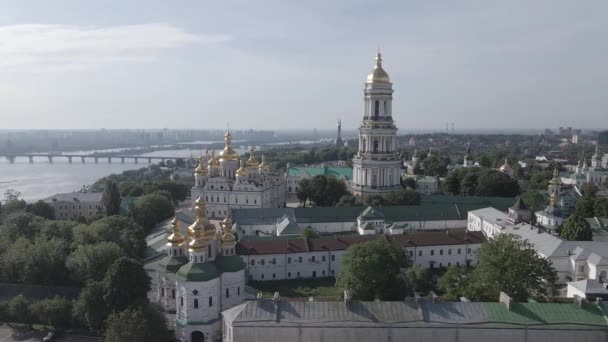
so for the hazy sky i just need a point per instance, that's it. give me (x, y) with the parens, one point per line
(299, 64)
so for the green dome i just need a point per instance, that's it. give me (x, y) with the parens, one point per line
(231, 263)
(198, 271)
(172, 263)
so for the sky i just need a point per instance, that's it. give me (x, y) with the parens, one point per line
(266, 64)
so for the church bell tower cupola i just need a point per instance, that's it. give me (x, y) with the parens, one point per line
(202, 234)
(376, 166)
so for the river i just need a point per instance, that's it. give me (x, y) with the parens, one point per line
(41, 179)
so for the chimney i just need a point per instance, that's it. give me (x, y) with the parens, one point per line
(347, 299)
(505, 299)
(578, 300)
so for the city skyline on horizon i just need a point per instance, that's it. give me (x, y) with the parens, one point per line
(279, 66)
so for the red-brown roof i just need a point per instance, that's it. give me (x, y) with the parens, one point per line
(430, 238)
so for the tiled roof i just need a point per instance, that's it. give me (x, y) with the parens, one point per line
(282, 246)
(76, 197)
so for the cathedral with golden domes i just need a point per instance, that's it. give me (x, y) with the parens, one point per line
(200, 277)
(228, 182)
(376, 167)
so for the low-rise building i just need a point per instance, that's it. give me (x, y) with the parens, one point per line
(275, 258)
(413, 321)
(73, 205)
(295, 174)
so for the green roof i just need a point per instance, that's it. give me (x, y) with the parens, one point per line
(198, 271)
(371, 213)
(500, 203)
(230, 263)
(545, 313)
(338, 172)
(172, 264)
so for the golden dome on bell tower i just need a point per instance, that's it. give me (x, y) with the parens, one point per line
(213, 162)
(227, 236)
(241, 172)
(201, 231)
(264, 167)
(251, 162)
(201, 169)
(378, 75)
(176, 238)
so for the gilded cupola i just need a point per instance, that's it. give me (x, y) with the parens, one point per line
(251, 162)
(176, 238)
(201, 169)
(213, 162)
(228, 153)
(227, 236)
(378, 75)
(264, 167)
(242, 171)
(201, 231)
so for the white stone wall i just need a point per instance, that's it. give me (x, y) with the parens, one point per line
(73, 210)
(186, 311)
(233, 289)
(442, 256)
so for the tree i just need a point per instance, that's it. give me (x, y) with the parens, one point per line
(126, 283)
(322, 191)
(584, 207)
(533, 199)
(509, 264)
(403, 197)
(348, 201)
(11, 195)
(452, 183)
(137, 324)
(576, 228)
(372, 270)
(149, 210)
(90, 262)
(19, 310)
(589, 190)
(39, 262)
(468, 184)
(122, 230)
(435, 166)
(90, 308)
(452, 283)
(600, 208)
(410, 183)
(111, 198)
(419, 279)
(309, 233)
(496, 183)
(55, 312)
(41, 209)
(304, 191)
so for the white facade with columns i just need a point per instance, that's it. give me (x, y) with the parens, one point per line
(376, 165)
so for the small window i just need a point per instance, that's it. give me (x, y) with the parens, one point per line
(298, 274)
(333, 258)
(262, 262)
(227, 293)
(262, 275)
(289, 274)
(323, 258)
(411, 253)
(289, 260)
(181, 301)
(196, 303)
(238, 291)
(459, 251)
(172, 293)
(252, 262)
(274, 261)
(450, 251)
(441, 252)
(432, 252)
(300, 260)
(210, 301)
(419, 253)
(312, 259)
(469, 251)
(273, 276)
(162, 291)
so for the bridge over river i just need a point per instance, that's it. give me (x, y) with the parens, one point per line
(86, 157)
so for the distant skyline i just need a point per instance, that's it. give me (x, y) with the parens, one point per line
(292, 65)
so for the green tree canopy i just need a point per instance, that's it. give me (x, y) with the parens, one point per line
(589, 190)
(509, 264)
(55, 312)
(372, 270)
(576, 228)
(452, 283)
(137, 324)
(111, 198)
(600, 208)
(126, 283)
(322, 191)
(90, 262)
(496, 183)
(348, 201)
(435, 166)
(19, 310)
(42, 209)
(151, 209)
(419, 279)
(90, 308)
(122, 230)
(585, 207)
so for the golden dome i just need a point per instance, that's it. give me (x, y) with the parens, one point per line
(213, 162)
(228, 153)
(251, 162)
(200, 169)
(201, 230)
(176, 238)
(263, 166)
(241, 172)
(378, 75)
(227, 236)
(505, 167)
(554, 199)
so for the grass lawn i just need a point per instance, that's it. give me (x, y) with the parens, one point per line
(320, 287)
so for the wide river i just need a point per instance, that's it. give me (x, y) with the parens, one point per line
(41, 179)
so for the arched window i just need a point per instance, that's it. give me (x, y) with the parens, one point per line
(375, 145)
(385, 109)
(181, 301)
(210, 301)
(374, 180)
(172, 293)
(387, 148)
(376, 109)
(364, 145)
(238, 291)
(227, 293)
(162, 291)
(196, 303)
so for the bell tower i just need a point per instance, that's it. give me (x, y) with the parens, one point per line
(376, 165)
